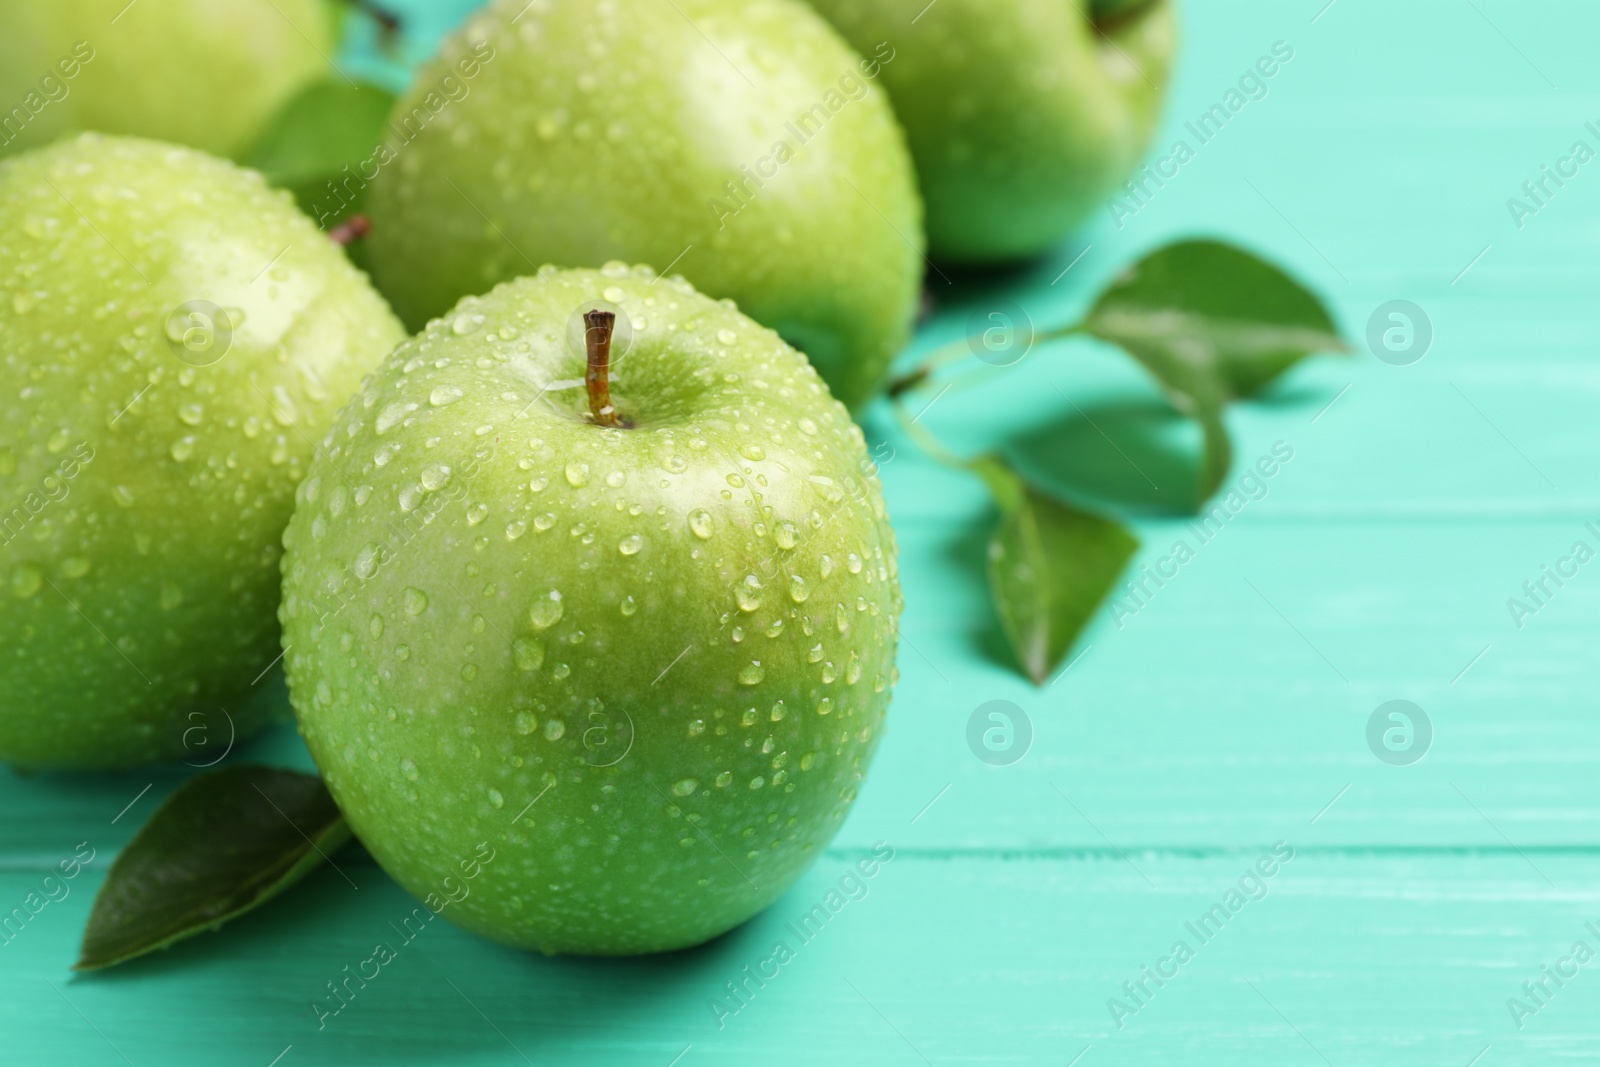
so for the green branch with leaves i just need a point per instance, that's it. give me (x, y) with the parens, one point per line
(1212, 325)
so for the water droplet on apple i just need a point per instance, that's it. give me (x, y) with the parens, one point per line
(825, 706)
(807, 427)
(798, 589)
(524, 723)
(496, 798)
(547, 611)
(700, 523)
(26, 580)
(529, 654)
(748, 593)
(630, 545)
(435, 476)
(390, 417)
(685, 787)
(554, 729)
(616, 479)
(629, 606)
(752, 673)
(366, 561)
(409, 769)
(443, 395)
(577, 475)
(414, 600)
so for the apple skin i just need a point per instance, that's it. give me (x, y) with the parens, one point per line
(693, 716)
(203, 73)
(611, 132)
(143, 498)
(1022, 116)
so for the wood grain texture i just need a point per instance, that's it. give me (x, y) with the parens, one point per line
(1228, 713)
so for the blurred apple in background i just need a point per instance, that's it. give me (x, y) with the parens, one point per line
(204, 73)
(739, 143)
(1023, 115)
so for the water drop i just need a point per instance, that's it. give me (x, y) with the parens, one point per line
(748, 593)
(409, 769)
(414, 600)
(798, 589)
(435, 476)
(685, 787)
(529, 654)
(554, 729)
(26, 580)
(700, 523)
(443, 395)
(577, 475)
(546, 611)
(366, 561)
(752, 673)
(524, 723)
(630, 545)
(496, 798)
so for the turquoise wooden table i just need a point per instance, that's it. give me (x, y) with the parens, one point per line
(1209, 747)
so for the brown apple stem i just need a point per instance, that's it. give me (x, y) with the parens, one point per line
(350, 231)
(598, 335)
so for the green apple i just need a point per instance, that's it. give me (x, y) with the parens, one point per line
(205, 73)
(737, 142)
(1023, 115)
(174, 336)
(635, 644)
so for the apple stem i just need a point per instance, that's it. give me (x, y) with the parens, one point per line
(350, 231)
(598, 335)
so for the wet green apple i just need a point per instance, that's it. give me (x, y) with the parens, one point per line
(204, 73)
(739, 143)
(174, 336)
(634, 641)
(1023, 115)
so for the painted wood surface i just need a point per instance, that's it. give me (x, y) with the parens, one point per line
(1225, 717)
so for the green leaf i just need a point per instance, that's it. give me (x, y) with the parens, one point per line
(1212, 324)
(1205, 315)
(330, 126)
(224, 843)
(1050, 567)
